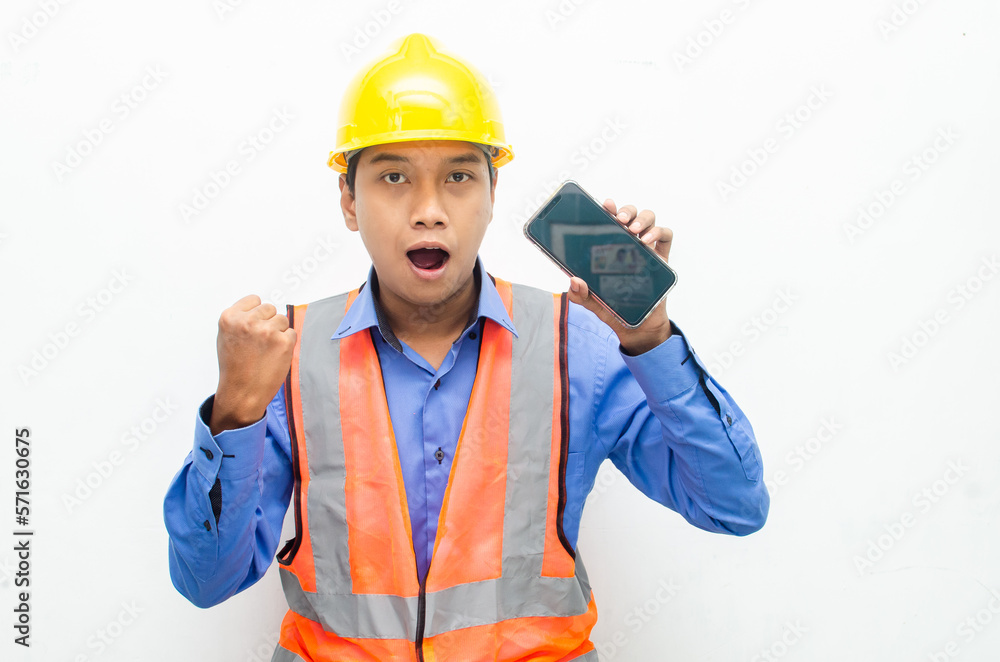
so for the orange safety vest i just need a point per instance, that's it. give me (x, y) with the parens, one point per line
(503, 582)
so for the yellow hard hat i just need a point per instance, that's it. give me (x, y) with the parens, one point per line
(418, 92)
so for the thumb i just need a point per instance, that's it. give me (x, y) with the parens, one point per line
(579, 293)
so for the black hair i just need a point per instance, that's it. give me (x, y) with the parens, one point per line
(352, 167)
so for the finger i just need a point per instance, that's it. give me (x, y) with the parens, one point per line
(643, 221)
(626, 214)
(609, 204)
(656, 235)
(281, 322)
(659, 238)
(579, 292)
(247, 303)
(265, 311)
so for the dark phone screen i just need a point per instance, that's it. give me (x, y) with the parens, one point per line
(591, 244)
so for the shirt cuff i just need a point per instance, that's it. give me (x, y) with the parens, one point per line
(231, 454)
(667, 370)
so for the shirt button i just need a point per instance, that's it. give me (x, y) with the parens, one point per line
(439, 455)
(208, 453)
(472, 335)
(729, 419)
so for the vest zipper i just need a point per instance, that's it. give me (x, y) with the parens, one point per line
(421, 615)
(422, 596)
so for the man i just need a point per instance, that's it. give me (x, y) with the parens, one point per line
(438, 428)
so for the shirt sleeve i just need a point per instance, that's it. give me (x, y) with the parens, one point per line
(225, 507)
(680, 438)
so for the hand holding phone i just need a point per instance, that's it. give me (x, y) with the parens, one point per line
(587, 241)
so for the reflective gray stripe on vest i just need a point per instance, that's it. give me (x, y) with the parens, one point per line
(466, 605)
(285, 655)
(319, 388)
(530, 438)
(520, 591)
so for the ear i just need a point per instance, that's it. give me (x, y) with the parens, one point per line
(493, 192)
(347, 205)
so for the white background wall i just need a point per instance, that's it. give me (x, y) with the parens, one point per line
(855, 563)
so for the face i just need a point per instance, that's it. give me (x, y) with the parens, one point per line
(422, 209)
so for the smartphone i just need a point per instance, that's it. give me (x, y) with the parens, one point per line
(577, 233)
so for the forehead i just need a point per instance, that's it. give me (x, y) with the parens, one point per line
(424, 152)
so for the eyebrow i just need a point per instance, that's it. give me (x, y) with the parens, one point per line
(389, 157)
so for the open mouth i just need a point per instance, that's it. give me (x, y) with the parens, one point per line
(428, 259)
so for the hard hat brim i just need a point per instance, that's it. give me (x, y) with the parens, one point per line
(338, 159)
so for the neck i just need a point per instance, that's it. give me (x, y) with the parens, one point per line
(444, 320)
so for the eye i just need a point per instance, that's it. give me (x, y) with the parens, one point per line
(465, 175)
(394, 177)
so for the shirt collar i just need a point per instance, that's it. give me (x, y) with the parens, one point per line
(366, 312)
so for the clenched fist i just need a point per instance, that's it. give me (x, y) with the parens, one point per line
(255, 353)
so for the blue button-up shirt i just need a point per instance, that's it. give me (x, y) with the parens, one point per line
(660, 417)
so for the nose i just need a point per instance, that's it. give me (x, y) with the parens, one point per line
(428, 210)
